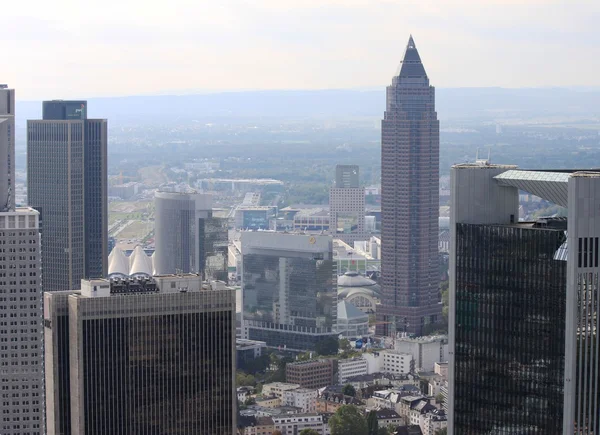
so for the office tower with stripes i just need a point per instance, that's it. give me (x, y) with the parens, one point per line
(67, 184)
(141, 356)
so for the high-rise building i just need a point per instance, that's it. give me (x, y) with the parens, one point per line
(346, 176)
(187, 237)
(289, 296)
(67, 184)
(7, 148)
(409, 201)
(148, 355)
(347, 205)
(21, 357)
(523, 342)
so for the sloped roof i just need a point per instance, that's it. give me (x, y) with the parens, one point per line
(345, 310)
(139, 262)
(118, 262)
(411, 65)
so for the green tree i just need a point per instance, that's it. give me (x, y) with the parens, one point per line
(372, 423)
(308, 431)
(327, 346)
(349, 390)
(348, 420)
(344, 345)
(244, 379)
(439, 398)
(443, 431)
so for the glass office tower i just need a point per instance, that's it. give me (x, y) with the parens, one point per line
(288, 292)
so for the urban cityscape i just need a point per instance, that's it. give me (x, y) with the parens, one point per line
(398, 260)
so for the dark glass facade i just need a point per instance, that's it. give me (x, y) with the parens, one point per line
(160, 375)
(213, 248)
(95, 198)
(289, 301)
(510, 330)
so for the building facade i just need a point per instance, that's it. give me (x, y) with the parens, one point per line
(311, 374)
(67, 184)
(188, 238)
(288, 290)
(303, 398)
(141, 356)
(347, 205)
(522, 320)
(409, 201)
(21, 346)
(7, 148)
(351, 367)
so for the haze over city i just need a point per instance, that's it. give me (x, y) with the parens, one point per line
(70, 49)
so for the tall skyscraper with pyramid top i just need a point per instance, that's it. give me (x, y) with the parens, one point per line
(410, 143)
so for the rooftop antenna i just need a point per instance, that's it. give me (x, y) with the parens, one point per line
(483, 162)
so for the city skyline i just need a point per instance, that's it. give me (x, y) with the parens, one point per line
(272, 44)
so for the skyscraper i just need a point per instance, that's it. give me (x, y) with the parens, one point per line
(524, 303)
(7, 148)
(409, 201)
(141, 356)
(288, 293)
(347, 205)
(21, 359)
(67, 184)
(187, 236)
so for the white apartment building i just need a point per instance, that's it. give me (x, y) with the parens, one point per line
(294, 424)
(426, 351)
(304, 398)
(395, 361)
(348, 368)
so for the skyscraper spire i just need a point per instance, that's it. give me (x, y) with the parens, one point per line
(410, 65)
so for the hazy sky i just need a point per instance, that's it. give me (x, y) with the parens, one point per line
(69, 49)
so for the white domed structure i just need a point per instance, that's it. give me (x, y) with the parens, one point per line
(118, 264)
(140, 263)
(360, 291)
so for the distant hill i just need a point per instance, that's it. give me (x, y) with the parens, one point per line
(452, 104)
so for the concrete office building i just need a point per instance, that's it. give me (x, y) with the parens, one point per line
(7, 148)
(347, 205)
(524, 303)
(141, 356)
(67, 184)
(187, 237)
(288, 290)
(21, 358)
(409, 201)
(311, 374)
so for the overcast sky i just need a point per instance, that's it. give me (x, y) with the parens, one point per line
(71, 49)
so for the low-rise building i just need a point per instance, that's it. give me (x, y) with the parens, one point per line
(426, 351)
(310, 374)
(294, 424)
(247, 350)
(382, 379)
(416, 409)
(441, 368)
(351, 322)
(395, 361)
(386, 417)
(271, 401)
(278, 388)
(351, 367)
(433, 421)
(251, 425)
(331, 402)
(244, 393)
(303, 398)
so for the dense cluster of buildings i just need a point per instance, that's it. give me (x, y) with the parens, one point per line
(93, 342)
